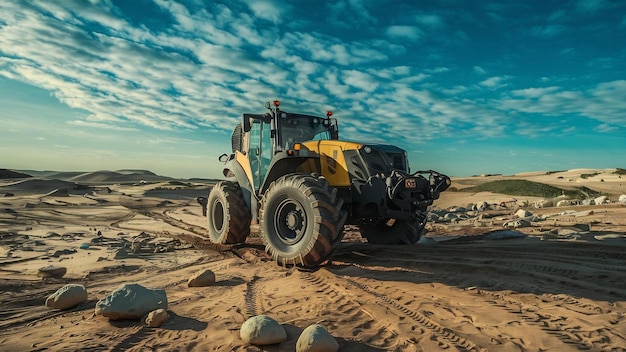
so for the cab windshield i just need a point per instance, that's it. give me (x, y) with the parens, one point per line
(301, 128)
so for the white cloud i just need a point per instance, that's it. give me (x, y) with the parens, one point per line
(404, 32)
(495, 82)
(268, 10)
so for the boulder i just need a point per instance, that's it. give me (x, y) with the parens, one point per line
(517, 223)
(601, 200)
(66, 297)
(201, 278)
(262, 330)
(523, 213)
(316, 338)
(131, 301)
(564, 203)
(587, 202)
(52, 271)
(156, 318)
(622, 199)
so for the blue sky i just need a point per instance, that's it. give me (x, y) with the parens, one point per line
(466, 87)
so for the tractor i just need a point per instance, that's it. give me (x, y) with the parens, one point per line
(290, 174)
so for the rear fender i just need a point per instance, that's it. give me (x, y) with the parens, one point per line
(238, 167)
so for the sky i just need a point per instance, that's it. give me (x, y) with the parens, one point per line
(466, 87)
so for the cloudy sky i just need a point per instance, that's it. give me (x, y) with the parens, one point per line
(466, 87)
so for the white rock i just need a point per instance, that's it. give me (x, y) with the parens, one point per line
(564, 203)
(316, 338)
(601, 200)
(523, 213)
(67, 297)
(201, 278)
(262, 330)
(157, 317)
(622, 198)
(131, 301)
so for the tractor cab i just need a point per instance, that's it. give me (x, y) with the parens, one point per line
(261, 137)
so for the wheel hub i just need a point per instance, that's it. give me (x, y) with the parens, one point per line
(294, 220)
(290, 220)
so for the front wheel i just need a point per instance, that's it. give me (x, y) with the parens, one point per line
(227, 214)
(393, 231)
(301, 220)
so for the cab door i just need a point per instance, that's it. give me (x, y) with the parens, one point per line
(260, 150)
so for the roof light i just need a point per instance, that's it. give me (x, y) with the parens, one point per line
(329, 113)
(276, 103)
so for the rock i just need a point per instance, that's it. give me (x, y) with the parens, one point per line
(61, 252)
(482, 206)
(316, 338)
(262, 330)
(121, 253)
(66, 297)
(156, 318)
(201, 278)
(84, 246)
(622, 199)
(601, 200)
(523, 213)
(52, 271)
(587, 202)
(517, 223)
(564, 203)
(131, 301)
(432, 217)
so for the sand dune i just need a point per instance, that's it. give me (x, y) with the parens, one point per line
(560, 286)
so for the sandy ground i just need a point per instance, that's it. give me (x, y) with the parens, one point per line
(562, 287)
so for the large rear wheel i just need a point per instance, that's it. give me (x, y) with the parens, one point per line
(393, 231)
(301, 220)
(227, 213)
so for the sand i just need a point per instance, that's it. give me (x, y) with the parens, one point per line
(561, 287)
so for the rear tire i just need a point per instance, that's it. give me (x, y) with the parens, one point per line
(393, 231)
(227, 214)
(301, 220)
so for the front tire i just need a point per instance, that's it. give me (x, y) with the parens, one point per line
(393, 231)
(301, 220)
(227, 214)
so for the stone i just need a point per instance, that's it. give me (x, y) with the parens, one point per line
(601, 200)
(201, 278)
(52, 271)
(622, 199)
(156, 318)
(564, 203)
(262, 330)
(523, 213)
(517, 223)
(67, 297)
(131, 301)
(316, 338)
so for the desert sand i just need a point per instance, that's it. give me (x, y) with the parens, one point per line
(558, 284)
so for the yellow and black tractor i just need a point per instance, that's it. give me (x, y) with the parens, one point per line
(290, 174)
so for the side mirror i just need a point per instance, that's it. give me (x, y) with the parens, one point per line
(223, 158)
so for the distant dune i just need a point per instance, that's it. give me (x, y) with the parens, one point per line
(117, 177)
(7, 174)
